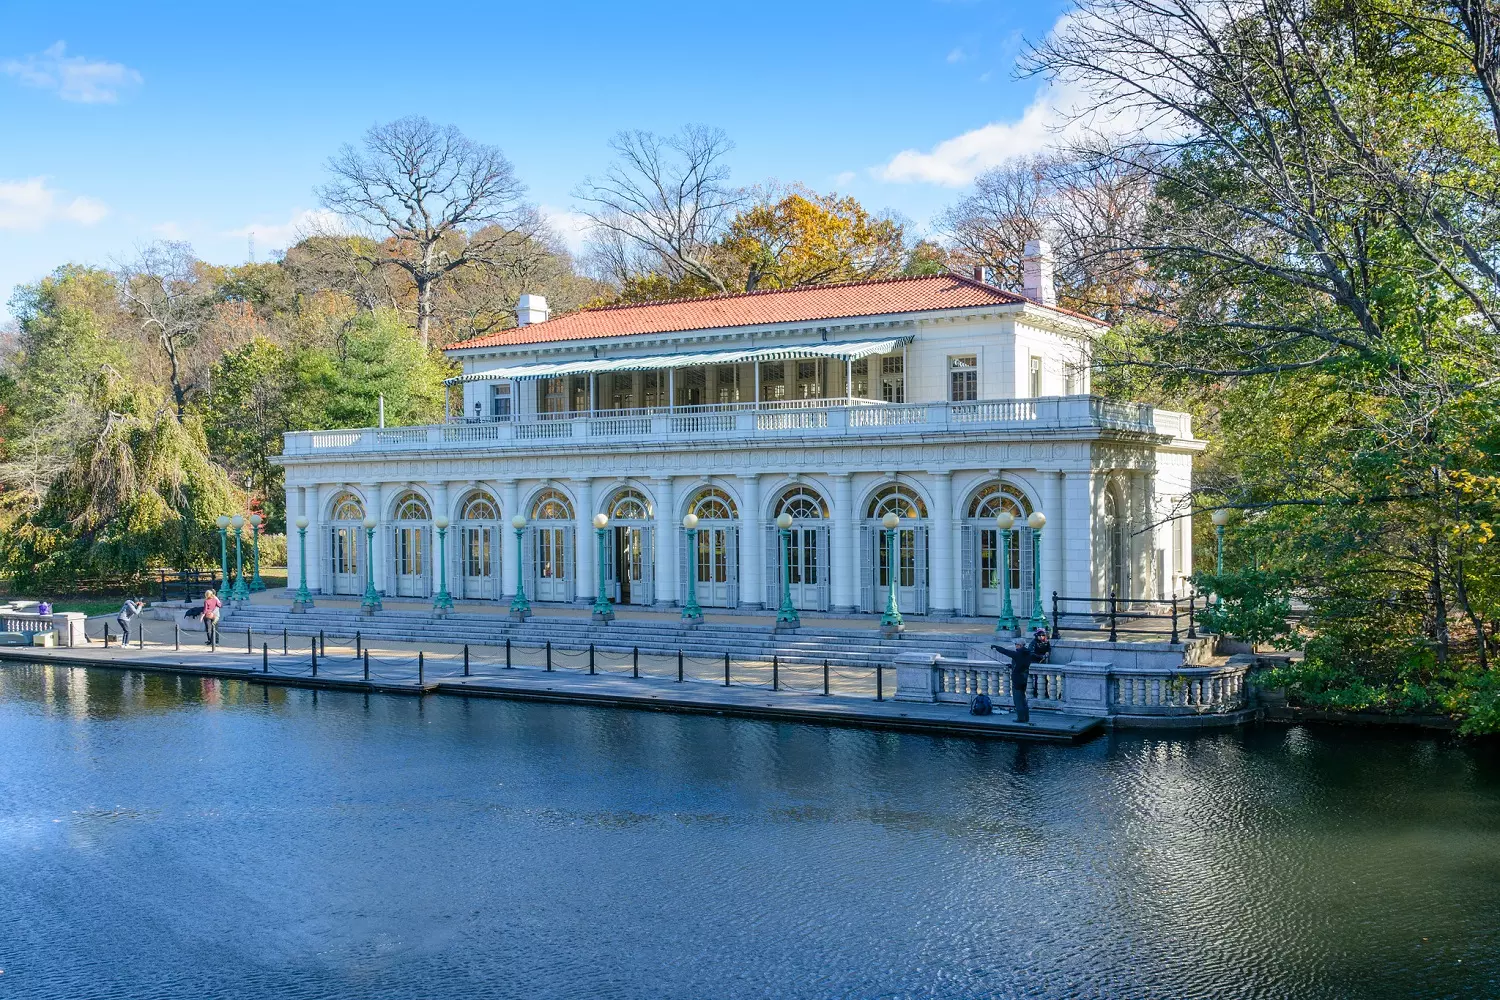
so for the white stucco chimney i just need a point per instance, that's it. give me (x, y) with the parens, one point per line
(1037, 266)
(531, 309)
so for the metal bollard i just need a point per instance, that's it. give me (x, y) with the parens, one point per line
(1054, 614)
(213, 639)
(358, 643)
(635, 662)
(265, 658)
(726, 669)
(322, 643)
(421, 667)
(775, 672)
(466, 657)
(591, 659)
(825, 676)
(367, 664)
(283, 641)
(176, 636)
(1192, 616)
(679, 666)
(106, 635)
(1175, 638)
(1113, 604)
(549, 655)
(249, 642)
(315, 657)
(140, 636)
(507, 653)
(879, 682)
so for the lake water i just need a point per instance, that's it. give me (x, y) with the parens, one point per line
(183, 838)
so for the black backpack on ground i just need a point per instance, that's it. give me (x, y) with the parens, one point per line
(980, 705)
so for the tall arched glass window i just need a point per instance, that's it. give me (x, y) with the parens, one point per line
(550, 505)
(714, 505)
(630, 505)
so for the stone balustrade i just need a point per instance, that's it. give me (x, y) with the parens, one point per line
(739, 422)
(1149, 694)
(67, 624)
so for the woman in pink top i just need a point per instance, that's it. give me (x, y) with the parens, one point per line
(211, 606)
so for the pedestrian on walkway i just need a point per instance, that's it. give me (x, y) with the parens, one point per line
(1021, 658)
(211, 606)
(128, 611)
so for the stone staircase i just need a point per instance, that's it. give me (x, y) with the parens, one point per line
(743, 641)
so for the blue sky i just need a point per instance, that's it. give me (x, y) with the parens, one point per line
(126, 123)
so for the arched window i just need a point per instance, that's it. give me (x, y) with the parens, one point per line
(897, 498)
(412, 507)
(630, 505)
(480, 507)
(1114, 533)
(991, 499)
(802, 503)
(714, 505)
(346, 507)
(550, 505)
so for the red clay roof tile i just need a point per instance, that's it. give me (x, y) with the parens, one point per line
(793, 305)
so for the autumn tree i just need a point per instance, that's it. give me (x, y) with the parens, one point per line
(798, 237)
(432, 203)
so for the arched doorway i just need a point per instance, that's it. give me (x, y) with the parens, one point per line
(478, 546)
(630, 556)
(412, 541)
(911, 550)
(346, 544)
(1117, 542)
(983, 552)
(716, 561)
(551, 546)
(807, 559)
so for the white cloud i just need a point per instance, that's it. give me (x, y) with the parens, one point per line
(271, 236)
(30, 205)
(844, 178)
(957, 55)
(73, 78)
(571, 227)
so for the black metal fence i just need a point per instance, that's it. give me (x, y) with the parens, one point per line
(1115, 617)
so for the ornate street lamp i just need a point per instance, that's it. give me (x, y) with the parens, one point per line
(692, 614)
(1036, 522)
(786, 616)
(520, 608)
(223, 522)
(256, 584)
(603, 610)
(890, 621)
(371, 602)
(443, 602)
(1220, 518)
(304, 599)
(239, 591)
(1005, 521)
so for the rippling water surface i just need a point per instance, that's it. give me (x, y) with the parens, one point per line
(174, 838)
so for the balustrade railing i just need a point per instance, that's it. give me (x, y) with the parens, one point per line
(735, 421)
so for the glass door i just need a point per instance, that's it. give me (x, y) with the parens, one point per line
(345, 561)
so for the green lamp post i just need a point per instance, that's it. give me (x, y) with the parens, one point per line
(256, 583)
(1005, 521)
(1036, 522)
(223, 522)
(239, 591)
(692, 614)
(786, 616)
(604, 611)
(442, 603)
(520, 608)
(891, 622)
(371, 602)
(1220, 518)
(303, 600)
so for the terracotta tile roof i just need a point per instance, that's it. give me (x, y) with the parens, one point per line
(793, 305)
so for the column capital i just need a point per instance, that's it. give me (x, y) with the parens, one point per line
(940, 473)
(749, 475)
(842, 477)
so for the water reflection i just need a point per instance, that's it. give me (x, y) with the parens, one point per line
(303, 844)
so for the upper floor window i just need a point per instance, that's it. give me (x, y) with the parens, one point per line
(859, 378)
(1036, 375)
(893, 378)
(499, 400)
(554, 395)
(963, 378)
(809, 379)
(773, 380)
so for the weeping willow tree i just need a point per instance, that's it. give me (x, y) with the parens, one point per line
(137, 491)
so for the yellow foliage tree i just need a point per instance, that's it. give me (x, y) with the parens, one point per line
(805, 238)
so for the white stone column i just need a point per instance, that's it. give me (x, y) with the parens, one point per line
(294, 505)
(1054, 536)
(317, 535)
(1077, 537)
(510, 548)
(668, 538)
(845, 585)
(587, 545)
(940, 568)
(375, 501)
(752, 545)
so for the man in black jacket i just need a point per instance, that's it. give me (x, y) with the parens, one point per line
(1021, 658)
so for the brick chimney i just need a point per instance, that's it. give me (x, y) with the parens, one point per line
(531, 309)
(1036, 273)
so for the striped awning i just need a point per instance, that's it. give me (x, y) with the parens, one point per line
(849, 350)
